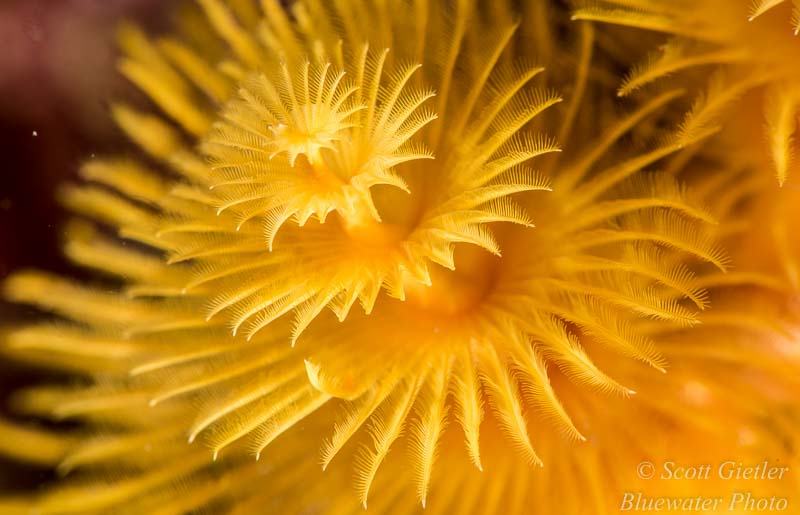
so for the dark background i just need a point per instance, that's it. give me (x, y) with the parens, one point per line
(57, 78)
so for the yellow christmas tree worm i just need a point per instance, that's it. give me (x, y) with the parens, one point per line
(744, 40)
(729, 395)
(319, 162)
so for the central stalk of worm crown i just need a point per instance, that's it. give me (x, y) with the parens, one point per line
(359, 221)
(455, 292)
(451, 292)
(369, 232)
(323, 172)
